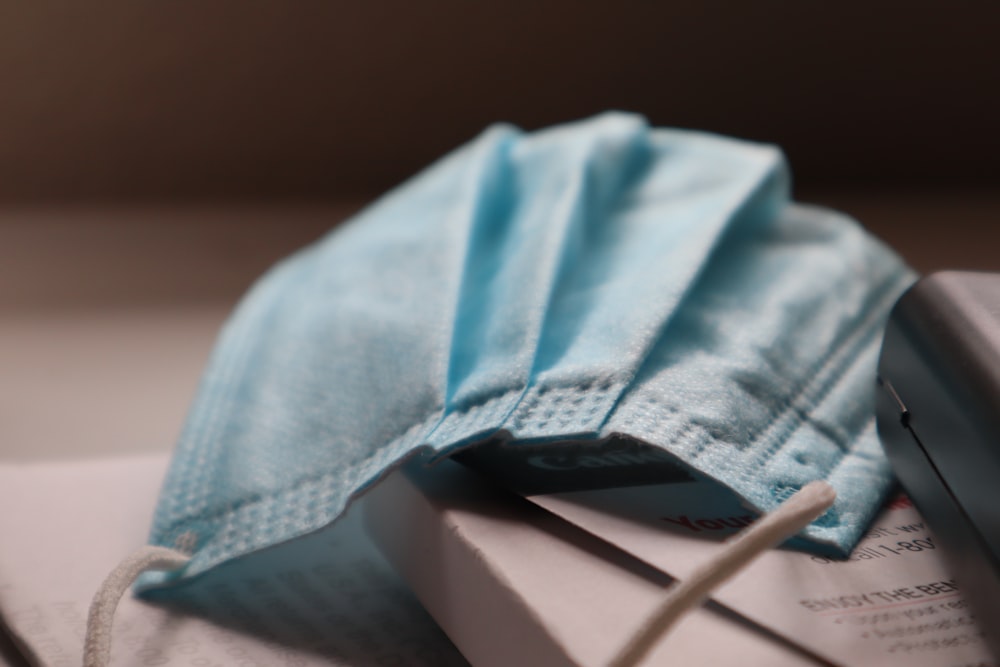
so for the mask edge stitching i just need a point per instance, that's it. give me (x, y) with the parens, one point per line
(800, 398)
(213, 516)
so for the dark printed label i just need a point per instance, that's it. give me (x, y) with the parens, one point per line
(573, 465)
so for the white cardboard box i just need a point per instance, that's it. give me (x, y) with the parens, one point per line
(512, 584)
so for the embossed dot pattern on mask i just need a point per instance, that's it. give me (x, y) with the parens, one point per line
(589, 281)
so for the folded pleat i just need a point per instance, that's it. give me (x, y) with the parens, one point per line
(635, 259)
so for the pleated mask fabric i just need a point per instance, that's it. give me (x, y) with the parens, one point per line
(597, 279)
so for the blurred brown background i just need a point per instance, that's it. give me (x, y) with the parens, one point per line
(234, 131)
(155, 156)
(309, 99)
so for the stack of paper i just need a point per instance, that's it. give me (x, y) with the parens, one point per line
(480, 560)
(510, 582)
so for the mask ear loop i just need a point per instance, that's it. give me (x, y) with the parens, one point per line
(97, 643)
(793, 515)
(809, 503)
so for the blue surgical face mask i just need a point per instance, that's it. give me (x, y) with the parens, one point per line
(591, 281)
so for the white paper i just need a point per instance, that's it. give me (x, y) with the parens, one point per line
(515, 586)
(332, 600)
(892, 603)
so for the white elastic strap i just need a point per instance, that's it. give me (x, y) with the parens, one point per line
(97, 644)
(769, 531)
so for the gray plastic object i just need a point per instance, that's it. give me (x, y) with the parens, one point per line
(938, 412)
